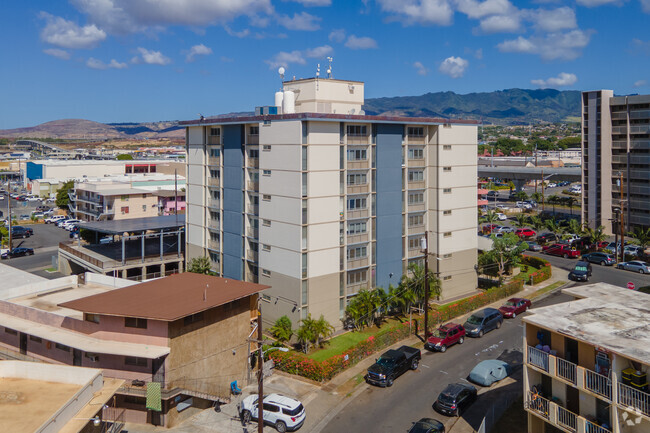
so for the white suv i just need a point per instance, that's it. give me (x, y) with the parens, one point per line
(283, 413)
(54, 219)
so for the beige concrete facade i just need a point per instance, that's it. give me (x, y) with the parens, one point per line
(94, 201)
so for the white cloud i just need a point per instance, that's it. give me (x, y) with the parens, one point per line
(309, 3)
(58, 53)
(554, 20)
(66, 34)
(319, 52)
(594, 3)
(239, 34)
(129, 16)
(501, 24)
(427, 12)
(562, 46)
(360, 43)
(284, 59)
(641, 83)
(645, 5)
(98, 64)
(420, 68)
(337, 35)
(301, 21)
(453, 66)
(198, 50)
(151, 57)
(563, 79)
(476, 9)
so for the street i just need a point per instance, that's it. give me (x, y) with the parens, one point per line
(45, 243)
(410, 398)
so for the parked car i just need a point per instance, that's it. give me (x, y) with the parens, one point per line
(633, 250)
(602, 259)
(54, 219)
(445, 336)
(534, 246)
(525, 233)
(523, 205)
(427, 425)
(483, 321)
(18, 252)
(532, 203)
(602, 244)
(489, 227)
(18, 232)
(551, 185)
(570, 237)
(562, 250)
(32, 199)
(546, 237)
(503, 207)
(580, 272)
(283, 413)
(504, 229)
(514, 306)
(635, 266)
(62, 221)
(455, 398)
(106, 240)
(489, 371)
(66, 225)
(492, 194)
(393, 364)
(501, 216)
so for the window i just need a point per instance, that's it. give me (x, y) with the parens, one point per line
(355, 253)
(88, 317)
(193, 318)
(135, 322)
(416, 220)
(254, 130)
(11, 331)
(446, 278)
(266, 223)
(357, 228)
(416, 175)
(133, 360)
(215, 173)
(446, 190)
(446, 234)
(416, 153)
(266, 247)
(356, 277)
(266, 197)
(416, 197)
(215, 153)
(124, 198)
(35, 339)
(357, 203)
(266, 147)
(215, 132)
(415, 131)
(357, 130)
(357, 179)
(446, 212)
(266, 172)
(414, 243)
(446, 168)
(357, 155)
(270, 407)
(266, 272)
(446, 147)
(124, 209)
(144, 208)
(62, 347)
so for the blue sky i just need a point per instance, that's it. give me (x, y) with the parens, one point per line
(148, 60)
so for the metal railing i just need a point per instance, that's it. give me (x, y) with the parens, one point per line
(252, 255)
(538, 358)
(566, 370)
(253, 162)
(252, 185)
(214, 181)
(113, 419)
(631, 397)
(253, 232)
(567, 419)
(537, 404)
(590, 427)
(598, 384)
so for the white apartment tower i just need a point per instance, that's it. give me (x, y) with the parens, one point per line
(318, 200)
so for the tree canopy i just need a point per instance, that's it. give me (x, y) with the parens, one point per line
(199, 265)
(62, 198)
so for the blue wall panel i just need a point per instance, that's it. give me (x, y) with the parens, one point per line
(232, 179)
(389, 204)
(33, 171)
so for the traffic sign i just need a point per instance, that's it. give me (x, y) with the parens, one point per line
(630, 285)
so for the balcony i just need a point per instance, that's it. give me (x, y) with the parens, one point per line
(354, 214)
(252, 256)
(413, 139)
(214, 139)
(357, 263)
(357, 139)
(253, 139)
(356, 239)
(253, 162)
(214, 203)
(353, 289)
(598, 384)
(214, 181)
(560, 417)
(566, 370)
(358, 189)
(214, 160)
(356, 165)
(633, 398)
(416, 163)
(567, 419)
(214, 245)
(417, 185)
(538, 358)
(253, 209)
(642, 129)
(619, 130)
(252, 185)
(253, 232)
(416, 207)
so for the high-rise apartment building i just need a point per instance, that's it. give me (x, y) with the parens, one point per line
(320, 200)
(615, 146)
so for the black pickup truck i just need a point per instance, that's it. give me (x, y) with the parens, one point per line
(392, 364)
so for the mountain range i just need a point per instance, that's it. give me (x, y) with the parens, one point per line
(503, 107)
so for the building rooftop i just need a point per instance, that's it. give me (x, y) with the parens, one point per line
(118, 227)
(65, 162)
(608, 316)
(162, 299)
(13, 278)
(329, 117)
(169, 193)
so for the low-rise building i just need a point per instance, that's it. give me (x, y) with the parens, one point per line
(587, 361)
(190, 343)
(95, 201)
(170, 202)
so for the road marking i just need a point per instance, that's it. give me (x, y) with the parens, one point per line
(424, 365)
(443, 372)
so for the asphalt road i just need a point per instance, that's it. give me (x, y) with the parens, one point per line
(410, 398)
(45, 243)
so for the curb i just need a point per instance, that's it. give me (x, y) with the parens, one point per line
(338, 408)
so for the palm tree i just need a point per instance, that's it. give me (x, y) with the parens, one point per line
(553, 226)
(415, 283)
(281, 330)
(570, 201)
(537, 196)
(322, 330)
(574, 227)
(641, 236)
(521, 195)
(305, 333)
(490, 217)
(537, 223)
(597, 235)
(553, 200)
(521, 220)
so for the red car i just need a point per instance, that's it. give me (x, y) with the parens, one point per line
(487, 229)
(563, 250)
(525, 233)
(602, 244)
(514, 306)
(445, 336)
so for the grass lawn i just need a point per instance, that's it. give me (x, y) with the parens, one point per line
(548, 288)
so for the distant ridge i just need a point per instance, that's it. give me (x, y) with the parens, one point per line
(503, 107)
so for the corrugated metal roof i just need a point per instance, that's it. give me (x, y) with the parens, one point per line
(117, 227)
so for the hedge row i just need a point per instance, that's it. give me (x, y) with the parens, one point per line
(544, 272)
(297, 363)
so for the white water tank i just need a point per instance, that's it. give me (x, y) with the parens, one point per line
(279, 97)
(289, 102)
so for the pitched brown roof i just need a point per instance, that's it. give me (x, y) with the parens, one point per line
(168, 298)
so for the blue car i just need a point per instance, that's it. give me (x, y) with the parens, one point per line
(489, 371)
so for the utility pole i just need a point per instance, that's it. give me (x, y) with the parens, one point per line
(8, 196)
(426, 284)
(536, 167)
(260, 374)
(622, 219)
(543, 192)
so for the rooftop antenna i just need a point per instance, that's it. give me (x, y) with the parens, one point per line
(317, 74)
(281, 72)
(329, 67)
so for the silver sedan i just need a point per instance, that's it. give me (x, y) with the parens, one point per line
(635, 266)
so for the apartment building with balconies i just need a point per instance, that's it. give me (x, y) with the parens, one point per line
(586, 363)
(107, 201)
(615, 147)
(322, 201)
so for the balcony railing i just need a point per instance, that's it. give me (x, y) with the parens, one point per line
(214, 160)
(590, 427)
(214, 244)
(416, 139)
(214, 139)
(598, 384)
(253, 209)
(214, 181)
(214, 203)
(253, 232)
(252, 255)
(253, 186)
(254, 162)
(357, 139)
(253, 139)
(566, 370)
(538, 358)
(567, 419)
(537, 404)
(634, 398)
